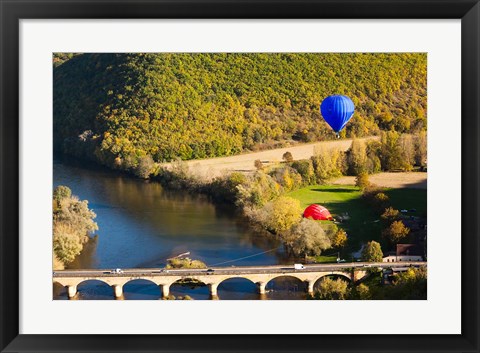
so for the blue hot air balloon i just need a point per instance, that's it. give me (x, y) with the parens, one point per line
(337, 111)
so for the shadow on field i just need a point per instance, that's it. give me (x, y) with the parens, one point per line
(339, 189)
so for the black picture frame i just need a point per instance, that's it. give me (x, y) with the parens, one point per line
(12, 11)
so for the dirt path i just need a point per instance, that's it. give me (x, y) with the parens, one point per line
(414, 180)
(245, 162)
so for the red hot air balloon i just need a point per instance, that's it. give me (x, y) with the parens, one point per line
(317, 212)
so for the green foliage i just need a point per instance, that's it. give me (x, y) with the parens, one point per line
(184, 262)
(363, 292)
(257, 190)
(411, 284)
(67, 243)
(288, 178)
(328, 164)
(60, 58)
(225, 189)
(340, 200)
(72, 224)
(372, 252)
(330, 289)
(118, 108)
(362, 181)
(357, 158)
(308, 238)
(280, 214)
(61, 192)
(306, 171)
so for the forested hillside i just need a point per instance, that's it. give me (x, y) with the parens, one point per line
(118, 109)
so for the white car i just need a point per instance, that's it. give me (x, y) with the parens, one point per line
(116, 271)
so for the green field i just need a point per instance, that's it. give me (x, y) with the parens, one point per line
(364, 223)
(408, 199)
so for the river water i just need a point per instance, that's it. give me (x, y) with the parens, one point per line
(141, 224)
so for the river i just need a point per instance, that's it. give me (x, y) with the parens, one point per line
(141, 224)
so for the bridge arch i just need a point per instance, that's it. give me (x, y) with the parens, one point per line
(236, 288)
(88, 287)
(83, 281)
(236, 277)
(191, 286)
(341, 275)
(285, 285)
(141, 289)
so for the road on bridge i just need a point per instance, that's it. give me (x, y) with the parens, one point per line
(234, 269)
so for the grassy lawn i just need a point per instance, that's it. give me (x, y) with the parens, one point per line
(364, 224)
(325, 259)
(408, 199)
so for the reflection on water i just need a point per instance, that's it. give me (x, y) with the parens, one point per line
(142, 225)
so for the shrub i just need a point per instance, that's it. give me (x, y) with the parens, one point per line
(390, 214)
(306, 171)
(308, 238)
(330, 289)
(361, 180)
(258, 164)
(185, 262)
(288, 178)
(144, 167)
(287, 157)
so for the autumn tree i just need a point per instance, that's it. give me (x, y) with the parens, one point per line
(361, 180)
(305, 169)
(421, 149)
(339, 239)
(328, 163)
(390, 214)
(363, 292)
(332, 289)
(281, 214)
(72, 225)
(411, 284)
(396, 232)
(357, 158)
(61, 192)
(372, 252)
(308, 238)
(407, 147)
(257, 190)
(288, 178)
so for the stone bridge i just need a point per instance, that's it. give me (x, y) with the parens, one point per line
(214, 276)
